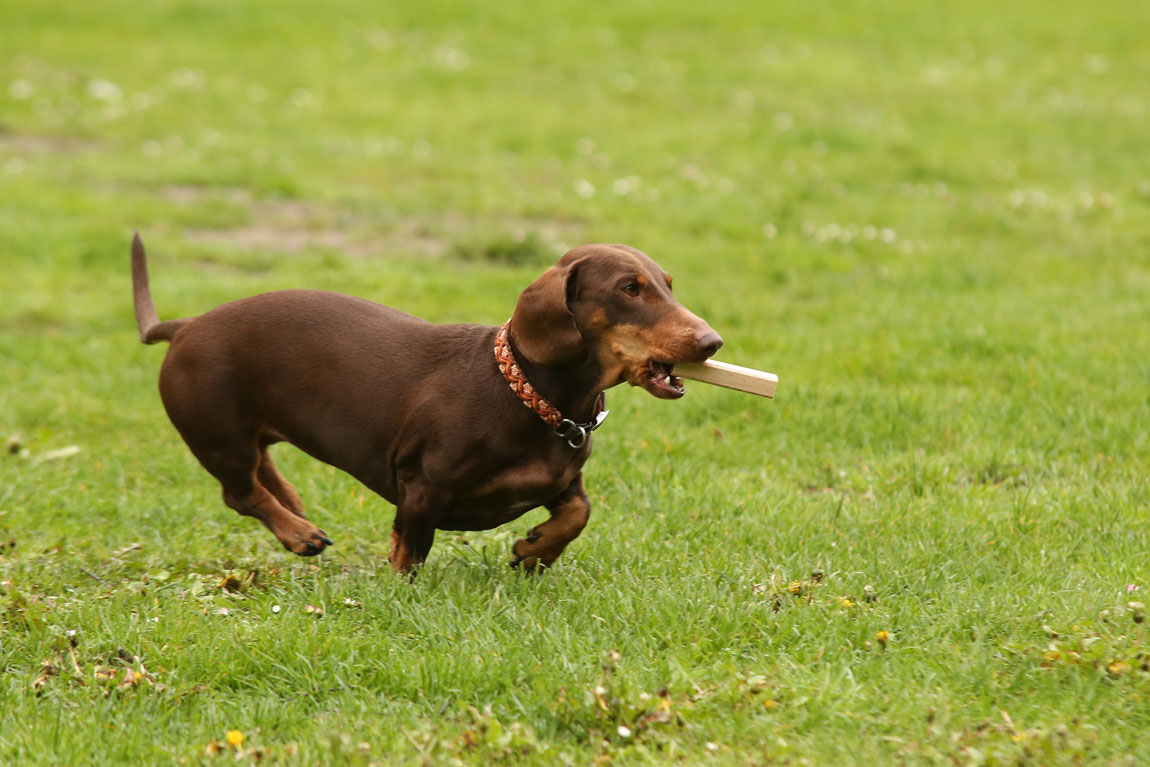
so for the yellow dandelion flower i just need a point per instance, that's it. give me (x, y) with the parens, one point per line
(795, 588)
(231, 582)
(235, 738)
(846, 602)
(1118, 667)
(883, 637)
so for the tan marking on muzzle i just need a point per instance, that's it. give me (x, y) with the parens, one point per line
(633, 346)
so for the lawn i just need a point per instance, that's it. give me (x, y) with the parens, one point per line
(931, 221)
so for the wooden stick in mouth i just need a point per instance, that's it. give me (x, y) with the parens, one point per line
(731, 376)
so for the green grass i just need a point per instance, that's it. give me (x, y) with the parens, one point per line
(933, 222)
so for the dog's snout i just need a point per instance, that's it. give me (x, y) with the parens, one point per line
(709, 343)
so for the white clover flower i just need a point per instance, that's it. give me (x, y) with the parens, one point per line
(105, 90)
(21, 89)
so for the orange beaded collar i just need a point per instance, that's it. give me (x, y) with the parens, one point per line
(565, 428)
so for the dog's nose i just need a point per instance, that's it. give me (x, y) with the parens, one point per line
(709, 343)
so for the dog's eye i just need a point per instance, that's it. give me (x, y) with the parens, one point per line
(631, 289)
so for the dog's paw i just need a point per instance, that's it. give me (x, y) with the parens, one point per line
(309, 544)
(529, 564)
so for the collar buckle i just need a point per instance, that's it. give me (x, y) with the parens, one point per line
(576, 433)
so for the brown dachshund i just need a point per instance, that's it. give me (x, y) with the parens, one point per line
(462, 427)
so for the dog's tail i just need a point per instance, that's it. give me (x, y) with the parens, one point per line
(151, 329)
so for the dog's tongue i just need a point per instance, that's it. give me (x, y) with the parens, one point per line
(664, 385)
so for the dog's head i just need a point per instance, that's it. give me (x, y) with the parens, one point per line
(611, 304)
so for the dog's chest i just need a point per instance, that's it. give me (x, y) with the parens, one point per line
(512, 491)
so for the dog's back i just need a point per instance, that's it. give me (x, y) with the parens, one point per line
(324, 371)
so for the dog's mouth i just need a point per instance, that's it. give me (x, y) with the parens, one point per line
(658, 380)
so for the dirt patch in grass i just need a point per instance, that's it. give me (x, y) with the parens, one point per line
(275, 238)
(285, 234)
(296, 226)
(284, 226)
(190, 194)
(29, 144)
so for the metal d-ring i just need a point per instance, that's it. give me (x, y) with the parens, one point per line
(576, 434)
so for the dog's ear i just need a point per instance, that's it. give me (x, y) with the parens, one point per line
(543, 326)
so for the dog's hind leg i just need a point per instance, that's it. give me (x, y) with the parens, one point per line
(231, 444)
(237, 466)
(238, 471)
(270, 478)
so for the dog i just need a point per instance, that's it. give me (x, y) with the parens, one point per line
(461, 427)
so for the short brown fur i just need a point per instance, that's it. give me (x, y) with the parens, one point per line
(417, 412)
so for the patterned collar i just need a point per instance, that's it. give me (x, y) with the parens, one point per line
(574, 433)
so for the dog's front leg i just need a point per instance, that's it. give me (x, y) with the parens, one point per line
(544, 543)
(417, 514)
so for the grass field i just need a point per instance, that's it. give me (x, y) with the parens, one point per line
(932, 221)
